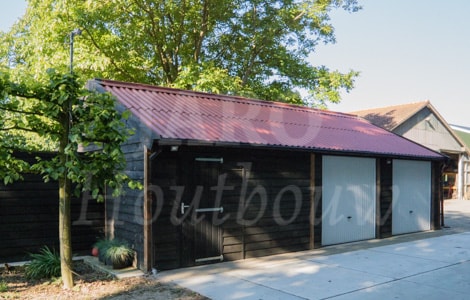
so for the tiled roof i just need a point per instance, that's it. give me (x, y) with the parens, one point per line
(390, 117)
(201, 117)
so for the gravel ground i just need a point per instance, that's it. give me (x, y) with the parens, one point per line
(89, 284)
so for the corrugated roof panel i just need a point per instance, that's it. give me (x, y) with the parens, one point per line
(186, 115)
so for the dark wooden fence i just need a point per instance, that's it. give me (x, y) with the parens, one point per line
(29, 219)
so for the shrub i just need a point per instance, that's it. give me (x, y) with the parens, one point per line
(120, 255)
(115, 252)
(3, 286)
(102, 245)
(45, 264)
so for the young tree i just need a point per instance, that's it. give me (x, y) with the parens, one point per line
(61, 112)
(256, 48)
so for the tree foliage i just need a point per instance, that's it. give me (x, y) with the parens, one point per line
(49, 111)
(257, 48)
(60, 111)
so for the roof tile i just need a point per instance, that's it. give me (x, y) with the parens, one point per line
(390, 117)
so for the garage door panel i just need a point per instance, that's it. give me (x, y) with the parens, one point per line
(411, 196)
(348, 199)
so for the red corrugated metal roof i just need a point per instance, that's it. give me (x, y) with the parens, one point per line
(195, 116)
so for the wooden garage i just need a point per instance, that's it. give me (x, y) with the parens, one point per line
(229, 178)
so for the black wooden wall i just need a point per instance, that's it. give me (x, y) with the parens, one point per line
(281, 223)
(385, 173)
(29, 219)
(124, 214)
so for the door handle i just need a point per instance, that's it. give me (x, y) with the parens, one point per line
(209, 209)
(183, 207)
(219, 209)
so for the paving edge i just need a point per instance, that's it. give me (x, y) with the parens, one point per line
(119, 274)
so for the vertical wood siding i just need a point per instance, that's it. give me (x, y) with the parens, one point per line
(437, 199)
(274, 184)
(29, 219)
(124, 214)
(385, 197)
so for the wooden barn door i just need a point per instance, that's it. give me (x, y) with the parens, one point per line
(202, 236)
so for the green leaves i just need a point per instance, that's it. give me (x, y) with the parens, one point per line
(258, 48)
(57, 110)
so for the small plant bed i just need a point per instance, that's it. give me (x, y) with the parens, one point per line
(89, 284)
(116, 253)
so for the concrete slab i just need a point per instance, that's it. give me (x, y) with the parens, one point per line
(381, 263)
(299, 279)
(434, 268)
(403, 290)
(450, 249)
(310, 280)
(223, 286)
(451, 282)
(455, 278)
(118, 273)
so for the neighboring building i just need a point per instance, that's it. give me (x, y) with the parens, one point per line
(228, 178)
(422, 123)
(464, 134)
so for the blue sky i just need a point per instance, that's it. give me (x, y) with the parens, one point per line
(405, 50)
(11, 10)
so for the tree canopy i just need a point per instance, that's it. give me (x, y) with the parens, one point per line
(256, 48)
(60, 111)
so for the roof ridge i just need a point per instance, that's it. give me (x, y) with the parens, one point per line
(221, 97)
(424, 102)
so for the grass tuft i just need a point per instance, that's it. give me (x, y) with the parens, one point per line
(45, 264)
(3, 287)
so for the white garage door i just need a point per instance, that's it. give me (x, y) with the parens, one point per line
(411, 196)
(348, 199)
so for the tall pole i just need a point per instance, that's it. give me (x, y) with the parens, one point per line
(72, 35)
(65, 223)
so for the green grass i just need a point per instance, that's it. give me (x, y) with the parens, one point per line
(3, 286)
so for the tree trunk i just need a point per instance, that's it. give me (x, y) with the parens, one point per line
(65, 233)
(65, 198)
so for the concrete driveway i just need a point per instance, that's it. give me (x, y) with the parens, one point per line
(430, 265)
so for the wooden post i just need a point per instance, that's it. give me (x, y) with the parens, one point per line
(312, 201)
(378, 198)
(148, 239)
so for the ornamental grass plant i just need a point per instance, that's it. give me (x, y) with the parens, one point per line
(45, 264)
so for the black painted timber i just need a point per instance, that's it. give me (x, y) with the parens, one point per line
(29, 218)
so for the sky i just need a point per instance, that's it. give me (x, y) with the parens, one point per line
(405, 50)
